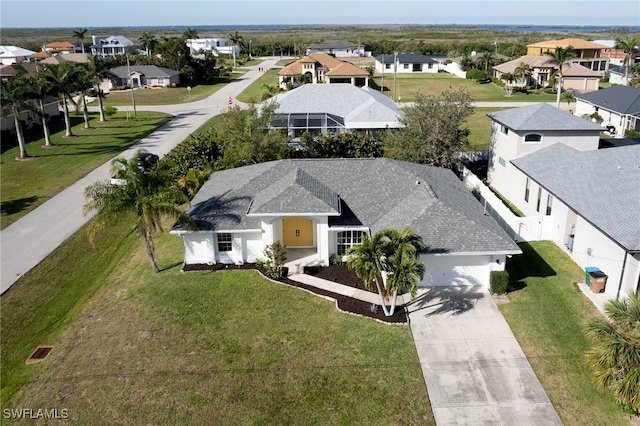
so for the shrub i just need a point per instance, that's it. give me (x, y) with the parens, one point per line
(276, 254)
(499, 280)
(335, 259)
(477, 75)
(632, 134)
(110, 111)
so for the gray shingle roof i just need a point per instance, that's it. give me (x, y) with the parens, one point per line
(541, 117)
(361, 108)
(147, 70)
(620, 99)
(377, 193)
(603, 186)
(333, 44)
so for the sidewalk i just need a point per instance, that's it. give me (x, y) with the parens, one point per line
(29, 240)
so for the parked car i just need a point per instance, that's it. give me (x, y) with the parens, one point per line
(146, 161)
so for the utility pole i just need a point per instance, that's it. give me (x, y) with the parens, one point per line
(383, 67)
(395, 75)
(133, 96)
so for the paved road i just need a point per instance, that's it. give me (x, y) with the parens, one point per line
(29, 240)
(475, 370)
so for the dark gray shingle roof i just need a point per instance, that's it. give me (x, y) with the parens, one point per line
(377, 193)
(603, 186)
(147, 70)
(406, 58)
(541, 117)
(620, 99)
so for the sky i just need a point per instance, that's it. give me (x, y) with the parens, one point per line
(122, 13)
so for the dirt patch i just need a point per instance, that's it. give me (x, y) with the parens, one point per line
(342, 275)
(338, 274)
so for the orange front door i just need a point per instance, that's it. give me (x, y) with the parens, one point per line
(297, 232)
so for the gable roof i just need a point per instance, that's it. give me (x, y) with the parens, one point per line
(25, 69)
(82, 58)
(576, 43)
(601, 185)
(114, 41)
(532, 61)
(620, 99)
(360, 107)
(147, 70)
(406, 58)
(374, 193)
(60, 45)
(577, 70)
(333, 67)
(542, 117)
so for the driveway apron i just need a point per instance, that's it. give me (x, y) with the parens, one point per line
(474, 368)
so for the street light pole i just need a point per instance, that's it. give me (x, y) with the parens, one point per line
(133, 96)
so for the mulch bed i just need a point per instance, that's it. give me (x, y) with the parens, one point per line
(336, 273)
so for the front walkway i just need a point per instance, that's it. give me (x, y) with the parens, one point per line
(475, 370)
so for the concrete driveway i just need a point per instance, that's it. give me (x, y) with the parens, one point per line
(475, 370)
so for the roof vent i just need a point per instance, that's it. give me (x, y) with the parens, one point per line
(619, 167)
(418, 181)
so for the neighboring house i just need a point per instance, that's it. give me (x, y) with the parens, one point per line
(334, 108)
(323, 68)
(14, 55)
(578, 78)
(587, 52)
(619, 106)
(213, 45)
(29, 118)
(146, 75)
(615, 56)
(339, 49)
(541, 70)
(112, 46)
(616, 75)
(26, 69)
(406, 63)
(81, 58)
(593, 198)
(327, 204)
(517, 132)
(59, 47)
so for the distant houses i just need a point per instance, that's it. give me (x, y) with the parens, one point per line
(339, 49)
(322, 68)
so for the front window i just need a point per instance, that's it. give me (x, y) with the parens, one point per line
(527, 189)
(387, 66)
(549, 203)
(539, 198)
(347, 239)
(160, 81)
(504, 129)
(224, 242)
(406, 66)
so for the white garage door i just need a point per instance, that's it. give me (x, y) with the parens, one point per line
(455, 270)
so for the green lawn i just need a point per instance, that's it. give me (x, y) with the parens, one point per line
(131, 347)
(168, 95)
(27, 184)
(480, 126)
(254, 92)
(434, 84)
(547, 315)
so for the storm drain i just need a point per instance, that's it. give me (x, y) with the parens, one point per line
(39, 354)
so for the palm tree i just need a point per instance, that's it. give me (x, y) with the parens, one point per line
(41, 89)
(144, 193)
(80, 34)
(148, 42)
(508, 78)
(615, 354)
(568, 98)
(84, 86)
(15, 96)
(190, 33)
(485, 61)
(559, 57)
(236, 40)
(524, 71)
(390, 260)
(629, 46)
(366, 261)
(99, 70)
(62, 78)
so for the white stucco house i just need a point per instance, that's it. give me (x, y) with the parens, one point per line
(619, 106)
(14, 54)
(326, 204)
(334, 108)
(406, 63)
(339, 49)
(214, 45)
(517, 132)
(594, 200)
(547, 163)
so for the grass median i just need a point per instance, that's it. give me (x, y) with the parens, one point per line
(26, 185)
(177, 348)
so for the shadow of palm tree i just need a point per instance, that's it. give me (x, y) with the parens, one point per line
(15, 206)
(453, 300)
